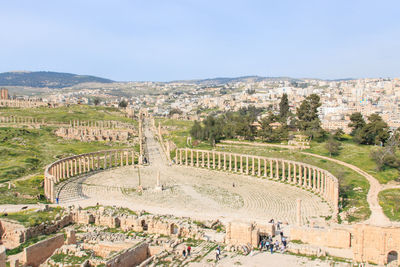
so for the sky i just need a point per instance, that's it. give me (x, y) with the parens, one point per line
(168, 40)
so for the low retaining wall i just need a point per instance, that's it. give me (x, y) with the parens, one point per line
(335, 238)
(84, 163)
(130, 257)
(301, 174)
(38, 253)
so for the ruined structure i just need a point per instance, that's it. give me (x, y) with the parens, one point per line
(83, 164)
(300, 174)
(3, 94)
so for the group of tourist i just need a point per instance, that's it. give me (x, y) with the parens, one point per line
(186, 252)
(267, 243)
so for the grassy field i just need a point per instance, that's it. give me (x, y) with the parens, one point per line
(31, 218)
(358, 155)
(27, 151)
(389, 200)
(66, 114)
(178, 130)
(26, 191)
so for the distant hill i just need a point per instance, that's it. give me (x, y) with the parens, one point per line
(224, 80)
(46, 79)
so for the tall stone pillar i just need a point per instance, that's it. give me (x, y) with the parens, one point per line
(319, 180)
(235, 159)
(259, 166)
(219, 160)
(314, 179)
(224, 161)
(300, 174)
(247, 164)
(265, 168)
(191, 157)
(294, 173)
(186, 157)
(277, 169)
(283, 171)
(241, 163)
(208, 159)
(202, 159)
(180, 156)
(213, 159)
(298, 213)
(253, 165)
(309, 177)
(230, 161)
(289, 172)
(271, 169)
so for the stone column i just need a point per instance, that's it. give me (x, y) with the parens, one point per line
(186, 157)
(298, 214)
(294, 173)
(277, 169)
(219, 160)
(271, 169)
(289, 172)
(180, 156)
(202, 159)
(319, 180)
(252, 165)
(191, 157)
(259, 166)
(208, 159)
(283, 171)
(105, 161)
(235, 165)
(241, 163)
(314, 179)
(68, 167)
(247, 164)
(230, 161)
(213, 159)
(300, 174)
(309, 177)
(52, 190)
(224, 161)
(265, 168)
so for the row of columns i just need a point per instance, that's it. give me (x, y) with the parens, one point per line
(99, 124)
(301, 174)
(15, 119)
(73, 166)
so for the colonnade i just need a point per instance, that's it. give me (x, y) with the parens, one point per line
(76, 165)
(101, 124)
(297, 173)
(21, 120)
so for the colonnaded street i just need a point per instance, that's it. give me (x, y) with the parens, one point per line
(192, 192)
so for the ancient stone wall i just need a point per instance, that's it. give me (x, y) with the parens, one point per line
(373, 243)
(300, 174)
(130, 257)
(330, 237)
(245, 233)
(82, 164)
(3, 94)
(38, 253)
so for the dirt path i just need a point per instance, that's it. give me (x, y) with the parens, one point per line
(377, 215)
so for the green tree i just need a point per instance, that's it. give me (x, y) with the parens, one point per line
(333, 146)
(375, 132)
(96, 101)
(196, 131)
(307, 115)
(284, 108)
(123, 104)
(357, 122)
(338, 134)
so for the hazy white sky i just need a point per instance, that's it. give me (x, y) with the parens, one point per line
(168, 40)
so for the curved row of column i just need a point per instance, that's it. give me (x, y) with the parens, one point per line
(84, 163)
(304, 175)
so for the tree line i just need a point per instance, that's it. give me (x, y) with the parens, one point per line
(273, 127)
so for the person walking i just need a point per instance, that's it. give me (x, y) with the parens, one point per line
(217, 252)
(284, 241)
(184, 253)
(188, 250)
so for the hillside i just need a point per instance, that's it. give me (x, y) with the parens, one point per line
(225, 80)
(46, 79)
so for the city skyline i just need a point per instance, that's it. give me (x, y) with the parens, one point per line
(156, 41)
